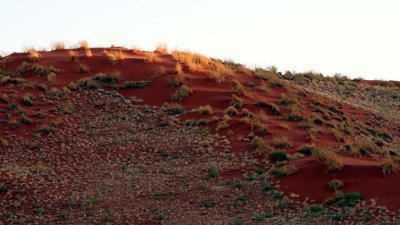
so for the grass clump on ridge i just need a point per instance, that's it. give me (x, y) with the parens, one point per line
(33, 54)
(331, 159)
(182, 92)
(115, 56)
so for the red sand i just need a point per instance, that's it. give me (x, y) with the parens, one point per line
(359, 175)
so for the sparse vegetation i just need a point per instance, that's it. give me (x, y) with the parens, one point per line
(115, 56)
(205, 110)
(162, 49)
(182, 92)
(72, 56)
(389, 166)
(279, 156)
(151, 57)
(236, 102)
(59, 46)
(33, 54)
(335, 185)
(282, 142)
(331, 159)
(82, 68)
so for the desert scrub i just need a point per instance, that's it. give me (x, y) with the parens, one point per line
(282, 142)
(58, 46)
(267, 187)
(238, 88)
(151, 57)
(27, 99)
(33, 54)
(67, 108)
(114, 56)
(271, 106)
(231, 111)
(174, 109)
(72, 86)
(162, 49)
(335, 184)
(83, 44)
(344, 200)
(82, 68)
(222, 125)
(236, 102)
(132, 85)
(331, 159)
(5, 98)
(51, 79)
(363, 147)
(247, 113)
(279, 156)
(205, 110)
(306, 150)
(389, 165)
(182, 92)
(72, 56)
(261, 146)
(285, 170)
(108, 79)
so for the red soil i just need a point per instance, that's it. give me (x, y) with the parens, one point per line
(360, 175)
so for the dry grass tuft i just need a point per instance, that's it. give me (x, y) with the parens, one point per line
(151, 57)
(84, 44)
(389, 166)
(205, 110)
(363, 147)
(182, 92)
(282, 142)
(220, 72)
(261, 146)
(194, 62)
(238, 88)
(33, 54)
(162, 49)
(331, 159)
(59, 46)
(88, 53)
(335, 185)
(115, 56)
(72, 56)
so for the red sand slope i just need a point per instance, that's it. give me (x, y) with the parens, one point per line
(362, 175)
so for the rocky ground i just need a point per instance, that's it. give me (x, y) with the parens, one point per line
(113, 161)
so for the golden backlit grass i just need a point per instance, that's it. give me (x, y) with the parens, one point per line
(151, 57)
(162, 49)
(59, 46)
(72, 56)
(331, 159)
(115, 56)
(33, 54)
(84, 44)
(389, 166)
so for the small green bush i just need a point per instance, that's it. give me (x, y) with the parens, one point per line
(279, 156)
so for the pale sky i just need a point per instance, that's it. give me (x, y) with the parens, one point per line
(358, 38)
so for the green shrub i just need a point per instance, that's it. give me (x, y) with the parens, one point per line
(267, 187)
(279, 156)
(278, 195)
(316, 211)
(133, 85)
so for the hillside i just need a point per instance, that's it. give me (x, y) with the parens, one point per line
(116, 135)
